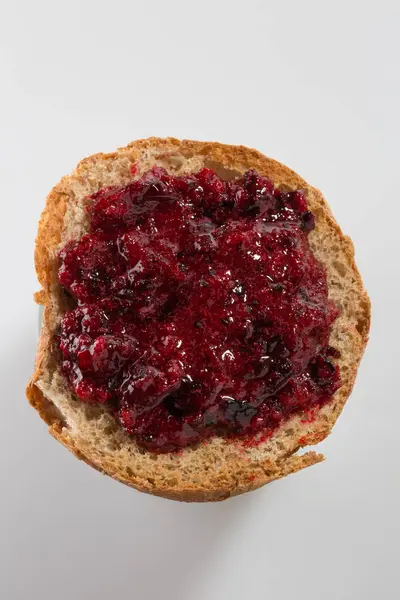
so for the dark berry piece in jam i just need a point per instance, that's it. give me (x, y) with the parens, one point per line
(200, 309)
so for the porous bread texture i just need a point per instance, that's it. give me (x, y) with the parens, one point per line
(218, 468)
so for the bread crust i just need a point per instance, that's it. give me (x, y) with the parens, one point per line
(224, 468)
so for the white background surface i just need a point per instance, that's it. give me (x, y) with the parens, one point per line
(315, 85)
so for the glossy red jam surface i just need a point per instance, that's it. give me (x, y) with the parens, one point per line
(200, 309)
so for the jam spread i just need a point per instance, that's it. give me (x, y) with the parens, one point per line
(199, 308)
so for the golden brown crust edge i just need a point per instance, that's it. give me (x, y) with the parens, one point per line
(49, 236)
(185, 494)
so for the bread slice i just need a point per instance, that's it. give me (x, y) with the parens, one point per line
(218, 468)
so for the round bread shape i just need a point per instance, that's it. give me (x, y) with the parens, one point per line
(219, 467)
